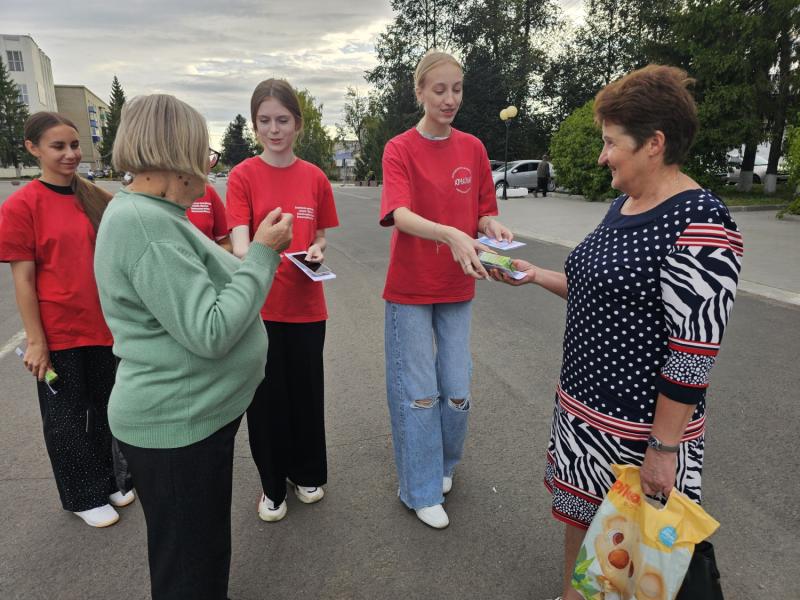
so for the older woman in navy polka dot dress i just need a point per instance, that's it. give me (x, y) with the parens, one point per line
(648, 296)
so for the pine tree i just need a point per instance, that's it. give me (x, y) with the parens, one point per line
(13, 114)
(237, 142)
(111, 124)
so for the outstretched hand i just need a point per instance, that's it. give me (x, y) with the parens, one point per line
(519, 265)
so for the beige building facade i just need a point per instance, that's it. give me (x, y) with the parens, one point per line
(89, 113)
(30, 69)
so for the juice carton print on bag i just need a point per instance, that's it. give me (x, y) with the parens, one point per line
(634, 551)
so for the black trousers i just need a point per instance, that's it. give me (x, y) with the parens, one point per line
(541, 185)
(75, 425)
(186, 498)
(286, 420)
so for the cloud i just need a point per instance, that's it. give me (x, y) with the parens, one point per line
(210, 54)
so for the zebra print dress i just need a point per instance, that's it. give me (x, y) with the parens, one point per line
(649, 297)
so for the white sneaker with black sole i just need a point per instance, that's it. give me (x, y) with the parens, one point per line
(267, 511)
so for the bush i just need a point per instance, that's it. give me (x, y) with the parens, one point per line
(793, 166)
(574, 149)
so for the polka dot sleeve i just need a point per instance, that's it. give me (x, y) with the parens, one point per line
(698, 286)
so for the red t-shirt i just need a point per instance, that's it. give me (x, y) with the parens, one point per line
(208, 215)
(448, 182)
(52, 230)
(302, 189)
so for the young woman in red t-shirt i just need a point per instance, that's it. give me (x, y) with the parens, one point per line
(207, 213)
(47, 233)
(438, 191)
(286, 419)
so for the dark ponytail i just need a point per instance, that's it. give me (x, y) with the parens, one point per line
(93, 199)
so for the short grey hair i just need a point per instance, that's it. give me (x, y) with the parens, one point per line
(161, 133)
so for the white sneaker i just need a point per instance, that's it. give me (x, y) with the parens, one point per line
(101, 516)
(447, 484)
(433, 516)
(267, 511)
(307, 495)
(119, 499)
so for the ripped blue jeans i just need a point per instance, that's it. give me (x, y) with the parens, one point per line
(428, 369)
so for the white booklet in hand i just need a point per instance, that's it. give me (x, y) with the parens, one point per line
(500, 244)
(313, 270)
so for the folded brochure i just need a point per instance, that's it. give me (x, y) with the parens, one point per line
(501, 263)
(500, 244)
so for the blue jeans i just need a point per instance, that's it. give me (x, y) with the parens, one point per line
(428, 366)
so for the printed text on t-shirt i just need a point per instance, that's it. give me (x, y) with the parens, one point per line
(462, 179)
(304, 212)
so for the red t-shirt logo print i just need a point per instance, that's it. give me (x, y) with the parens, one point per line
(462, 179)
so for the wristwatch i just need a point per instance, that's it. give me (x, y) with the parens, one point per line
(656, 444)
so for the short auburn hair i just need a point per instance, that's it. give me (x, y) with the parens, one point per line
(653, 98)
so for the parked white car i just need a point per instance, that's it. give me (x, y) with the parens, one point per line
(522, 173)
(759, 170)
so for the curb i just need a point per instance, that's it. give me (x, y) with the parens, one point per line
(756, 207)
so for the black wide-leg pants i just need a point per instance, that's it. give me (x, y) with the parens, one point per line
(75, 425)
(286, 420)
(185, 494)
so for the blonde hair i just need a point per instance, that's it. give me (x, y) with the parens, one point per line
(161, 133)
(432, 59)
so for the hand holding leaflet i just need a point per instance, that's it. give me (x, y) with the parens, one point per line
(50, 377)
(500, 244)
(500, 263)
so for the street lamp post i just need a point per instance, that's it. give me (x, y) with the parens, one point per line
(506, 115)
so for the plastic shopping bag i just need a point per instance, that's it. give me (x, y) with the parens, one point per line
(634, 550)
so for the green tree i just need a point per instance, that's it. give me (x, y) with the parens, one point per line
(237, 142)
(617, 36)
(109, 128)
(497, 42)
(13, 114)
(314, 144)
(574, 150)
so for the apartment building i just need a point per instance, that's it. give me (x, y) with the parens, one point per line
(30, 69)
(88, 111)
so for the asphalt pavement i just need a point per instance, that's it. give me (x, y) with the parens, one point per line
(360, 542)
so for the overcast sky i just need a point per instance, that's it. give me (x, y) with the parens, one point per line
(209, 53)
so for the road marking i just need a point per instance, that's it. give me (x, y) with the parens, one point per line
(12, 343)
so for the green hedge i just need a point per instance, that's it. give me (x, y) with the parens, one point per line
(574, 149)
(793, 163)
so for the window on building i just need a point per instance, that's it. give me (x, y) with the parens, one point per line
(23, 93)
(14, 60)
